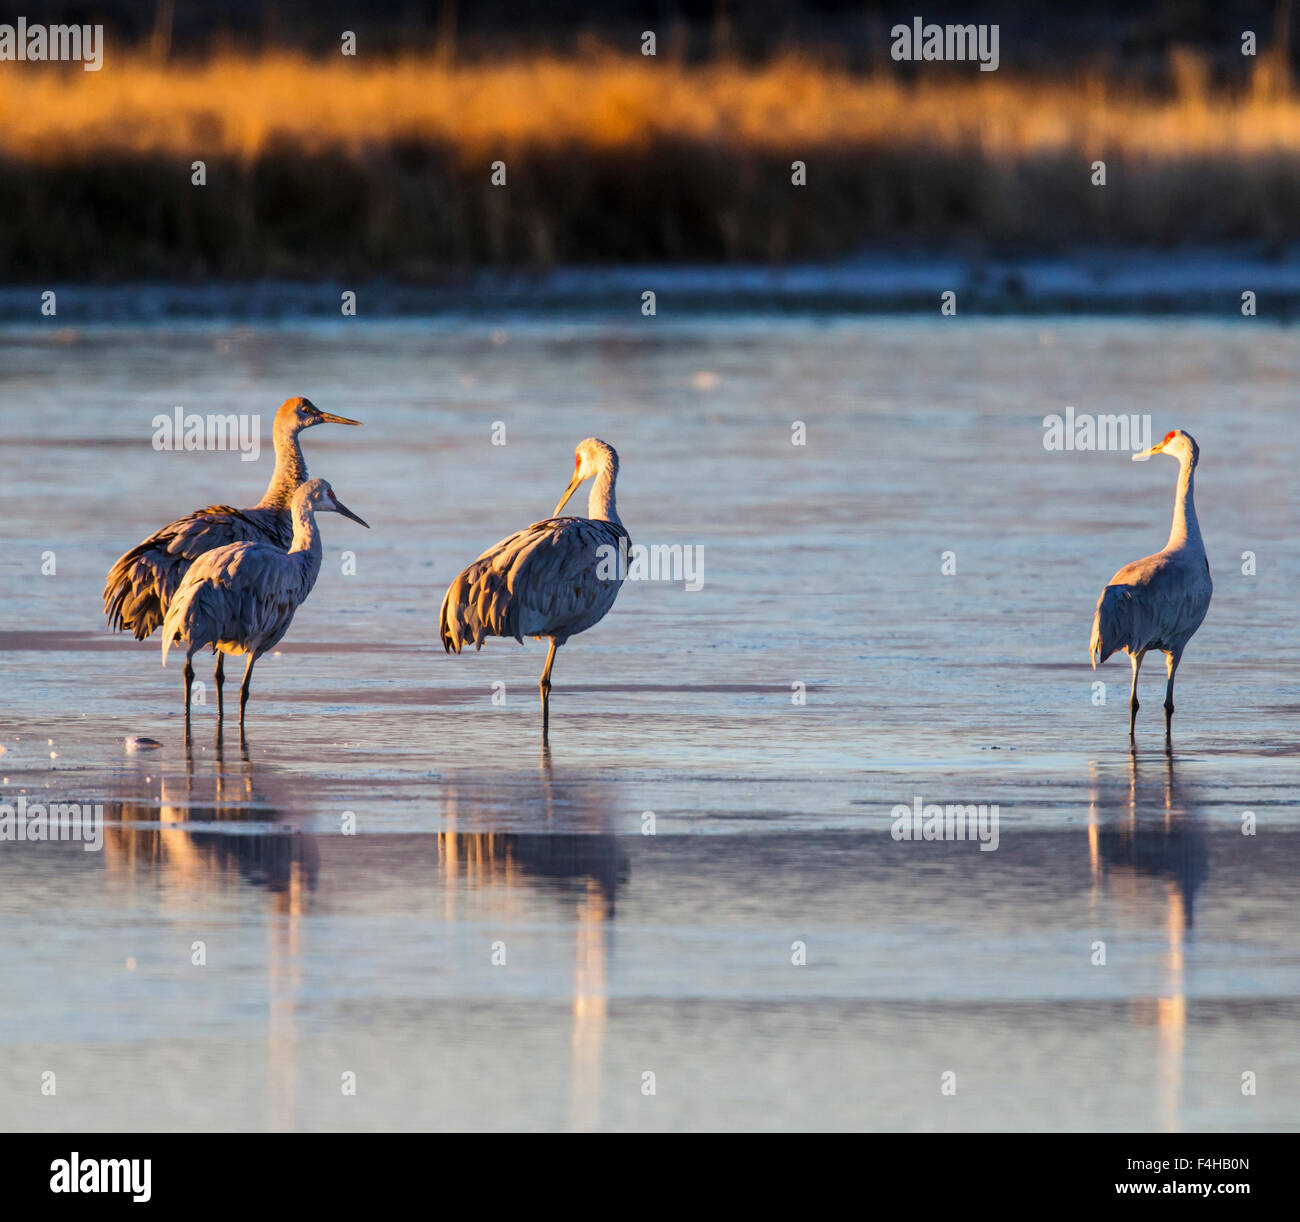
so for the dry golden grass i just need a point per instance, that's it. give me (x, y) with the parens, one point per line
(238, 106)
(360, 168)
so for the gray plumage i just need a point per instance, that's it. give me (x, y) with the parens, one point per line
(142, 583)
(1160, 601)
(539, 582)
(241, 598)
(552, 579)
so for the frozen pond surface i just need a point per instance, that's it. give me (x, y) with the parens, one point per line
(625, 953)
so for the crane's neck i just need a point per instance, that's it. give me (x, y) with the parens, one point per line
(1186, 530)
(600, 501)
(290, 470)
(306, 550)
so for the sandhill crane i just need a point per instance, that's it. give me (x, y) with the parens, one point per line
(1158, 602)
(552, 579)
(240, 598)
(142, 582)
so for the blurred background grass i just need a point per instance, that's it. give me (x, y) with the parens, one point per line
(321, 164)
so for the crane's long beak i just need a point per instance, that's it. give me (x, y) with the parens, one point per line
(568, 492)
(1155, 449)
(347, 513)
(331, 418)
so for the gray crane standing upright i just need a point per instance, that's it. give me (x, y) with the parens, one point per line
(546, 580)
(1160, 601)
(241, 598)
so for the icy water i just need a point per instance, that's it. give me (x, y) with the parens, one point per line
(500, 944)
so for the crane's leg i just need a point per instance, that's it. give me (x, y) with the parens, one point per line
(243, 691)
(189, 683)
(219, 678)
(1133, 705)
(545, 684)
(1172, 658)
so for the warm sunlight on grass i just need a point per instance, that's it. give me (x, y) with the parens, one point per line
(234, 106)
(325, 167)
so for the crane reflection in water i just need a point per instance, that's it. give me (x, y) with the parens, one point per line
(234, 823)
(583, 869)
(1146, 833)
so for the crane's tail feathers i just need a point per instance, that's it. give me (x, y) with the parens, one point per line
(1111, 625)
(173, 628)
(194, 617)
(447, 627)
(478, 604)
(136, 591)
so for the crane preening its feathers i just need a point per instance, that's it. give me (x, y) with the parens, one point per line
(1158, 602)
(548, 579)
(241, 598)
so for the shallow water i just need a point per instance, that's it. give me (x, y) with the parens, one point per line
(669, 953)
